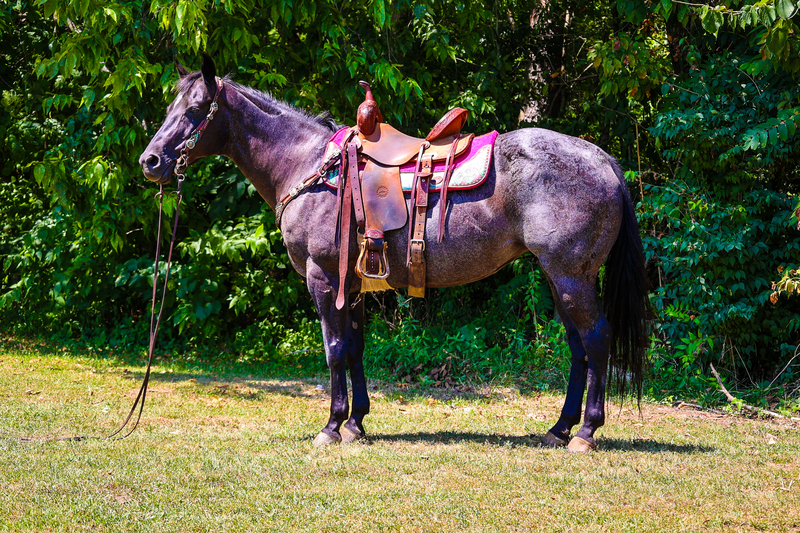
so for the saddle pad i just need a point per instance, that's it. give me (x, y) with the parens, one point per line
(469, 170)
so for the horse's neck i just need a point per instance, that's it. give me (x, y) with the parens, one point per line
(274, 151)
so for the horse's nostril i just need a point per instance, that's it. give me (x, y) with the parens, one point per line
(152, 161)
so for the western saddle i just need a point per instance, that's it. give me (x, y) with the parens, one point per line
(369, 186)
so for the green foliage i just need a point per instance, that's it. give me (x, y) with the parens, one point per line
(789, 283)
(721, 212)
(701, 99)
(509, 333)
(719, 179)
(629, 66)
(92, 79)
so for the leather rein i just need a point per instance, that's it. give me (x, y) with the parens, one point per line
(155, 319)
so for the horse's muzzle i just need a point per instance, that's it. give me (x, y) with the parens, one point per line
(156, 168)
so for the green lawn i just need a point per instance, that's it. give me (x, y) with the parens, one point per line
(234, 453)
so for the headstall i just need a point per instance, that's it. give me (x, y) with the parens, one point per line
(194, 137)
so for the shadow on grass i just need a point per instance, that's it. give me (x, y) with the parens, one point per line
(245, 388)
(305, 387)
(534, 441)
(651, 446)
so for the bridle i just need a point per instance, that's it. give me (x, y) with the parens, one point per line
(194, 137)
(155, 319)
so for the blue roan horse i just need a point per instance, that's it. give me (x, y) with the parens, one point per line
(561, 198)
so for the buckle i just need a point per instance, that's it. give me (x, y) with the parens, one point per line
(419, 241)
(212, 111)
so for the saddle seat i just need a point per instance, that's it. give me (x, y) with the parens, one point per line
(390, 147)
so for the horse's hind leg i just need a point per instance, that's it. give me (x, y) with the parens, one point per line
(354, 429)
(571, 412)
(580, 304)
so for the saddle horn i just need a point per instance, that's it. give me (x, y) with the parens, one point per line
(368, 114)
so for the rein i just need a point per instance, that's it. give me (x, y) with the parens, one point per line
(155, 319)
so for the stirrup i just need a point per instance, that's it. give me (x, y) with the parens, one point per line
(383, 272)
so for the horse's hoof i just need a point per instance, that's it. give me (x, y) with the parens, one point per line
(579, 445)
(551, 440)
(349, 435)
(325, 439)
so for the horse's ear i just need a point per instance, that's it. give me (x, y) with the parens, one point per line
(209, 74)
(182, 72)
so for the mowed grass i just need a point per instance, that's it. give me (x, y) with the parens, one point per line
(234, 453)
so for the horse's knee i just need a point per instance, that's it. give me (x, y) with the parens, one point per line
(336, 357)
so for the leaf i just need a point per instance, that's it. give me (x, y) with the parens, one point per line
(88, 98)
(768, 15)
(100, 118)
(379, 11)
(98, 172)
(81, 6)
(784, 8)
(783, 132)
(762, 139)
(50, 7)
(777, 39)
(39, 172)
(713, 21)
(179, 13)
(790, 126)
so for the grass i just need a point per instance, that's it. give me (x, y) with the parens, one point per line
(233, 453)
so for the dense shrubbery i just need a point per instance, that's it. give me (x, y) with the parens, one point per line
(702, 102)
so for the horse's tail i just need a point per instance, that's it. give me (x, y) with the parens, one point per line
(625, 297)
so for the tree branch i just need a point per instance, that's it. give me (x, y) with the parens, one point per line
(739, 403)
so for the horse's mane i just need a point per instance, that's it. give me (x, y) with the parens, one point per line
(263, 100)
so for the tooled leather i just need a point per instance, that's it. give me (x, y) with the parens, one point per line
(384, 203)
(450, 124)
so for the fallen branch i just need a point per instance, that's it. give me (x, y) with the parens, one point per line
(296, 352)
(739, 403)
(697, 407)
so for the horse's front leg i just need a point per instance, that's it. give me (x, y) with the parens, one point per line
(341, 346)
(353, 429)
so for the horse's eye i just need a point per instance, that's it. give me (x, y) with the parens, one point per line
(194, 110)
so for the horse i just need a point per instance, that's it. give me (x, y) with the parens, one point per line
(559, 197)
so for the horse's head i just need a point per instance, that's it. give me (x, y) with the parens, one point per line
(185, 115)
